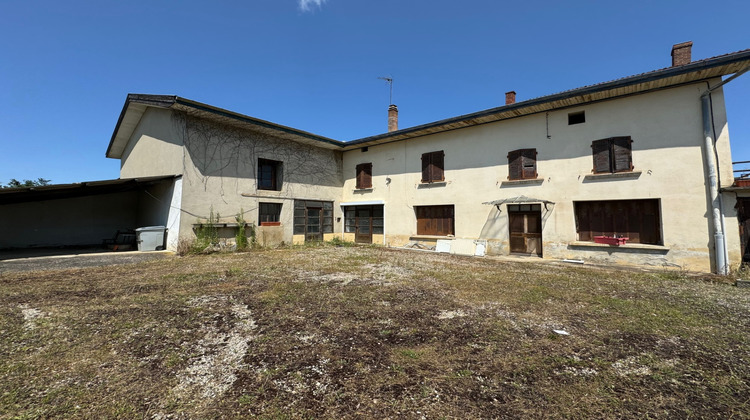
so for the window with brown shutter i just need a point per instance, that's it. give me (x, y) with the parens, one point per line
(432, 166)
(612, 155)
(638, 220)
(522, 164)
(364, 176)
(435, 220)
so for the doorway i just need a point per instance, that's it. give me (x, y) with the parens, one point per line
(364, 222)
(525, 226)
(743, 216)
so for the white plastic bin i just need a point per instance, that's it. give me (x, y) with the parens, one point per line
(150, 238)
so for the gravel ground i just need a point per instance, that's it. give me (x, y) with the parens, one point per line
(58, 259)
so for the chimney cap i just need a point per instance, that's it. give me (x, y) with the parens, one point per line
(682, 45)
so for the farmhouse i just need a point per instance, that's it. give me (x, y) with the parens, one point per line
(632, 171)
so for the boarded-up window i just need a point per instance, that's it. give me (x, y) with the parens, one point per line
(364, 176)
(638, 220)
(612, 155)
(432, 166)
(435, 220)
(522, 164)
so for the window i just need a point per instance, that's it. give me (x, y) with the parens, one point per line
(432, 166)
(577, 117)
(364, 176)
(269, 174)
(612, 155)
(313, 217)
(637, 220)
(435, 220)
(269, 214)
(522, 164)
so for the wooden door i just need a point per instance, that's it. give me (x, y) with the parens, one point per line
(363, 226)
(525, 232)
(314, 224)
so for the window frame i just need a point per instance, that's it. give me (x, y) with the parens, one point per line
(612, 155)
(438, 220)
(364, 176)
(518, 162)
(433, 167)
(274, 214)
(275, 172)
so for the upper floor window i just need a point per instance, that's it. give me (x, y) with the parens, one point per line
(432, 166)
(612, 155)
(577, 117)
(522, 164)
(269, 174)
(364, 176)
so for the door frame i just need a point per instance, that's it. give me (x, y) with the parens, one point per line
(523, 211)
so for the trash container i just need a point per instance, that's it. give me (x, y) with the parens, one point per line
(150, 238)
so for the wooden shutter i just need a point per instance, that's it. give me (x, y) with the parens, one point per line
(432, 166)
(621, 152)
(426, 167)
(601, 149)
(515, 165)
(364, 175)
(528, 163)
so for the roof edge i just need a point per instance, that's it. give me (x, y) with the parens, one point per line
(161, 101)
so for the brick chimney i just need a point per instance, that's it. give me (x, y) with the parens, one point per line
(392, 118)
(681, 53)
(510, 97)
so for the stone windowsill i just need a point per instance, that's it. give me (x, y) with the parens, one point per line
(363, 190)
(432, 184)
(626, 247)
(519, 182)
(612, 176)
(430, 237)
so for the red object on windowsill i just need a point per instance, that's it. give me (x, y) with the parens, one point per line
(270, 223)
(610, 240)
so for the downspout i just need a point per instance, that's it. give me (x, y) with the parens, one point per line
(720, 244)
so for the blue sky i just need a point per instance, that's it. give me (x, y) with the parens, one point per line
(67, 67)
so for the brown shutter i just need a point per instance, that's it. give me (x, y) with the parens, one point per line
(426, 167)
(601, 150)
(623, 160)
(437, 166)
(528, 163)
(364, 175)
(515, 166)
(367, 176)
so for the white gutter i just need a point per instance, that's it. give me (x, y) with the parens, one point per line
(712, 166)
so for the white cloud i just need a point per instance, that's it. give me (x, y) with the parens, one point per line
(307, 5)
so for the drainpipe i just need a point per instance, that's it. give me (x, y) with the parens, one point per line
(720, 244)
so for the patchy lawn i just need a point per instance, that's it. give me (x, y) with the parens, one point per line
(340, 332)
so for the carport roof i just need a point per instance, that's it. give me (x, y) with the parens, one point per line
(79, 189)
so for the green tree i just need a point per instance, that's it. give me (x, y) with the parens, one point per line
(14, 183)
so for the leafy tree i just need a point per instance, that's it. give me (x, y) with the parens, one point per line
(14, 183)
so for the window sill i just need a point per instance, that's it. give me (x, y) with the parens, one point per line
(517, 182)
(362, 190)
(612, 176)
(220, 225)
(430, 237)
(432, 184)
(270, 223)
(268, 193)
(626, 247)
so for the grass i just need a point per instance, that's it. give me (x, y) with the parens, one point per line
(363, 332)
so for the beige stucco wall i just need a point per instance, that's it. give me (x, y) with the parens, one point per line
(220, 174)
(667, 135)
(155, 147)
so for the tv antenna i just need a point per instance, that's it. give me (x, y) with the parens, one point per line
(389, 80)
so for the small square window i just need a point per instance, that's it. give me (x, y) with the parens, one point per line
(577, 117)
(269, 214)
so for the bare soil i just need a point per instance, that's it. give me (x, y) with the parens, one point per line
(363, 332)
